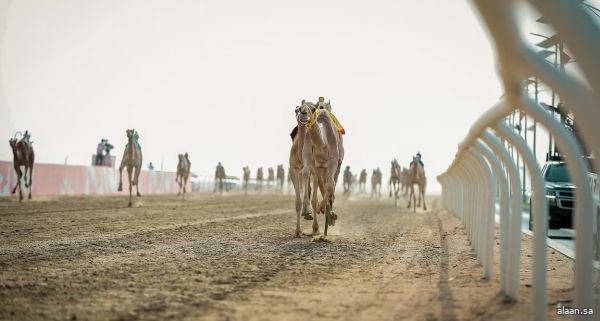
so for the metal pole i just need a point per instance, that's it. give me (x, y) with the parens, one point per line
(535, 121)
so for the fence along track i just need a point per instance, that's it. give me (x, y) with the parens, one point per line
(471, 195)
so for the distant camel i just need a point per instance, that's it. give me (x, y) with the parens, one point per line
(395, 178)
(259, 179)
(246, 179)
(322, 156)
(132, 159)
(376, 178)
(347, 181)
(183, 172)
(270, 177)
(362, 181)
(404, 181)
(220, 178)
(23, 155)
(416, 175)
(280, 178)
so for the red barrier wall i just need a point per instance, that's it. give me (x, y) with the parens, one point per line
(54, 179)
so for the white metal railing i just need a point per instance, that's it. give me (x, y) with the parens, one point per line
(483, 163)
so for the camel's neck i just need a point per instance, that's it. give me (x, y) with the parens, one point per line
(315, 135)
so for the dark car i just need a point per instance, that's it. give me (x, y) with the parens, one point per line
(560, 193)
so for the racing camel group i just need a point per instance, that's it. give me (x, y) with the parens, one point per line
(24, 156)
(260, 178)
(315, 160)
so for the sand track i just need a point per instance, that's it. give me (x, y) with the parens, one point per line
(234, 258)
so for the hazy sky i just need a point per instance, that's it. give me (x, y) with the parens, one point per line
(220, 79)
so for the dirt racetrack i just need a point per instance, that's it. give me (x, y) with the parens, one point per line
(234, 257)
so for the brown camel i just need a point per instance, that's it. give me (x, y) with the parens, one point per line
(132, 159)
(23, 155)
(259, 179)
(270, 177)
(246, 179)
(220, 177)
(280, 178)
(395, 178)
(347, 181)
(322, 156)
(404, 181)
(183, 172)
(416, 175)
(362, 181)
(376, 179)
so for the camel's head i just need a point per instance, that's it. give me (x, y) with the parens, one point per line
(13, 143)
(304, 112)
(181, 157)
(130, 133)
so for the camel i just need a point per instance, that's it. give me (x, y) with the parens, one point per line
(404, 181)
(347, 181)
(416, 175)
(376, 178)
(259, 179)
(23, 155)
(395, 178)
(246, 179)
(322, 154)
(220, 177)
(270, 177)
(362, 181)
(280, 178)
(132, 159)
(183, 172)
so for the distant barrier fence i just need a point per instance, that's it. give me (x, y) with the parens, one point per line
(483, 168)
(55, 179)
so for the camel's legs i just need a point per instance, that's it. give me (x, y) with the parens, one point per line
(19, 175)
(410, 195)
(184, 184)
(329, 187)
(120, 177)
(30, 179)
(422, 191)
(18, 170)
(306, 199)
(304, 177)
(315, 189)
(295, 175)
(135, 182)
(129, 170)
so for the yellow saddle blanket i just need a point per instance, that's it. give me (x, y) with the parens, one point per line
(318, 112)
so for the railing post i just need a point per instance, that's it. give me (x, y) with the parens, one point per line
(513, 223)
(503, 201)
(486, 215)
(540, 219)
